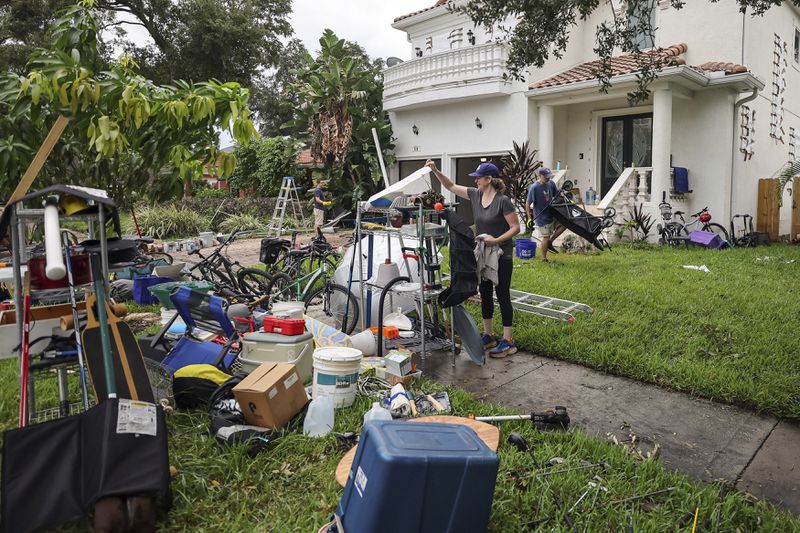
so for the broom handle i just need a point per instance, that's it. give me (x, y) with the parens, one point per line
(102, 319)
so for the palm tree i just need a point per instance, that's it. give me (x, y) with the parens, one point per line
(786, 174)
(519, 167)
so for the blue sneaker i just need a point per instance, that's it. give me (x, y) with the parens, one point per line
(503, 349)
(489, 341)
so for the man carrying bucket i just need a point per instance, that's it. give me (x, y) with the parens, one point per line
(540, 194)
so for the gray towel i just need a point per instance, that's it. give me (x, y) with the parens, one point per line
(488, 258)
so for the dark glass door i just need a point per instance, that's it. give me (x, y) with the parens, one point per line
(464, 166)
(627, 142)
(410, 166)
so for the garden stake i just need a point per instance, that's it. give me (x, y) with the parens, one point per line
(567, 519)
(641, 496)
(579, 500)
(696, 514)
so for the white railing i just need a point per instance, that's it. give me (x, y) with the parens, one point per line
(470, 63)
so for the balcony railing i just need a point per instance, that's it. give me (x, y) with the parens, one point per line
(485, 62)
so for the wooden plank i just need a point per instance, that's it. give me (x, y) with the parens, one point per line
(795, 210)
(768, 214)
(39, 159)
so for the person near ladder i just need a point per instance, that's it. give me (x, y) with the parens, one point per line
(320, 204)
(496, 223)
(540, 195)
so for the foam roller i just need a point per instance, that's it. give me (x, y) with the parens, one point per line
(55, 269)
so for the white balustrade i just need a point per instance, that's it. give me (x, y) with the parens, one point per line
(471, 63)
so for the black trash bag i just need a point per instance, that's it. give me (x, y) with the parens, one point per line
(223, 407)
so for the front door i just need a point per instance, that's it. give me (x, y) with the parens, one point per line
(627, 142)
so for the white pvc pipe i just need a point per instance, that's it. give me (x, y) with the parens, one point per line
(55, 269)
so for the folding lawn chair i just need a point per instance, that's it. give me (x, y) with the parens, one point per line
(199, 311)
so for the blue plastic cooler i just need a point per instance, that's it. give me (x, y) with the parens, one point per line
(427, 478)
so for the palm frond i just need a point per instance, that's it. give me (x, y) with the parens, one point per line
(787, 173)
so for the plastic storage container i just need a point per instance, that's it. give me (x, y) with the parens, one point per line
(377, 413)
(319, 418)
(163, 290)
(261, 347)
(427, 478)
(284, 326)
(141, 284)
(526, 248)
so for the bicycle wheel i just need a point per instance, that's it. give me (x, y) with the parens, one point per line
(673, 234)
(717, 229)
(334, 305)
(281, 288)
(155, 256)
(253, 281)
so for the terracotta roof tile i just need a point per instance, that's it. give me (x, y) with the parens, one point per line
(304, 158)
(624, 64)
(437, 4)
(721, 66)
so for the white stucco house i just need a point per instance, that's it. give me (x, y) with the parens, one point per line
(727, 108)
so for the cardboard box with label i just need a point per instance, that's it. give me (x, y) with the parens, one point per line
(271, 395)
(398, 363)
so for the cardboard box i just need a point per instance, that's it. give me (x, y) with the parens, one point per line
(271, 395)
(397, 363)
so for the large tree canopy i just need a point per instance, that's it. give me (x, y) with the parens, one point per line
(542, 31)
(126, 134)
(190, 39)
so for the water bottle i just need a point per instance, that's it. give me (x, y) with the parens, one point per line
(319, 418)
(377, 413)
(590, 196)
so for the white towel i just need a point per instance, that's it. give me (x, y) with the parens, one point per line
(488, 258)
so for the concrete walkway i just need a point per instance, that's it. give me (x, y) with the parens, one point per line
(704, 439)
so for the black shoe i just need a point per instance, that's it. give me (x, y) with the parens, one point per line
(551, 249)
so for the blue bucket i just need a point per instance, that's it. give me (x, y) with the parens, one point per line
(526, 248)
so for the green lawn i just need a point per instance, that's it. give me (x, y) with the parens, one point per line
(729, 335)
(291, 487)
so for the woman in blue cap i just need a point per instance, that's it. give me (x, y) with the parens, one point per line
(496, 218)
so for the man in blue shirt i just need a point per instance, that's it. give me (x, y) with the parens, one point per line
(540, 194)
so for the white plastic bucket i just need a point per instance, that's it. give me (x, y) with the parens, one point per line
(336, 374)
(290, 309)
(207, 238)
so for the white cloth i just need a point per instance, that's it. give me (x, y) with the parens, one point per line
(488, 258)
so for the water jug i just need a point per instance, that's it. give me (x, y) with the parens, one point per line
(591, 196)
(377, 413)
(319, 418)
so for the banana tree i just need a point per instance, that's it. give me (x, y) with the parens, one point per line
(126, 134)
(341, 93)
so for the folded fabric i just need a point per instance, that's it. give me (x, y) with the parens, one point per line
(488, 258)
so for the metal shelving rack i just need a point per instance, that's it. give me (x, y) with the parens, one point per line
(430, 277)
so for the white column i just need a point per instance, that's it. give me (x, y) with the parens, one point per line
(546, 135)
(662, 143)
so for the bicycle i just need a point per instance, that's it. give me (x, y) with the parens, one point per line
(674, 232)
(230, 278)
(324, 300)
(281, 256)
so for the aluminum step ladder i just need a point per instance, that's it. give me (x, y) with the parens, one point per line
(287, 196)
(547, 306)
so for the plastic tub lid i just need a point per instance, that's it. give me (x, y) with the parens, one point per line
(338, 353)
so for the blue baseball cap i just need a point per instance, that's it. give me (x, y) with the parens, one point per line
(486, 170)
(544, 171)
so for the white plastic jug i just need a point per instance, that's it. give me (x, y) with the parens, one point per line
(377, 413)
(319, 418)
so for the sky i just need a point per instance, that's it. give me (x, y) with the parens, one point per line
(367, 22)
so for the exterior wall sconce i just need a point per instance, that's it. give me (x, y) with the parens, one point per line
(418, 51)
(471, 37)
(478, 123)
(415, 129)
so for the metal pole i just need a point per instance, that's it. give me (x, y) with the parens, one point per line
(421, 255)
(101, 216)
(360, 265)
(16, 263)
